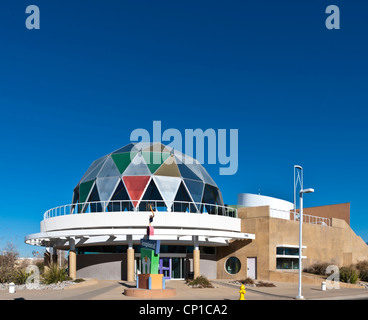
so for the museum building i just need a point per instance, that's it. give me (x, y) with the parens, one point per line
(199, 235)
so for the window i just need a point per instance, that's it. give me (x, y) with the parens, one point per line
(287, 257)
(287, 263)
(232, 265)
(287, 251)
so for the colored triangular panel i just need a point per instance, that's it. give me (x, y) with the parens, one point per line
(168, 168)
(137, 167)
(135, 186)
(122, 160)
(84, 190)
(168, 187)
(154, 159)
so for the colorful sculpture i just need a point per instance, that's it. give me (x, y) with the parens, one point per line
(150, 258)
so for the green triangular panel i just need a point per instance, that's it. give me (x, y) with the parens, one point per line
(84, 190)
(154, 159)
(122, 160)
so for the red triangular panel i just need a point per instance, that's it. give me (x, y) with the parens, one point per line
(135, 186)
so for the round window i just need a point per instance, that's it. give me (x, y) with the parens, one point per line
(232, 265)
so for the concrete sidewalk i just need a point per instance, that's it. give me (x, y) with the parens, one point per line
(224, 290)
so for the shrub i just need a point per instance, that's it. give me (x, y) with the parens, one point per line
(20, 276)
(247, 281)
(265, 284)
(200, 282)
(349, 275)
(318, 268)
(40, 265)
(363, 276)
(6, 275)
(362, 267)
(54, 274)
(7, 263)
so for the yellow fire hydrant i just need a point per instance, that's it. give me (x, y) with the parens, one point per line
(242, 292)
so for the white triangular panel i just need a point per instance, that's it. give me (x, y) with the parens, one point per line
(168, 187)
(106, 187)
(109, 169)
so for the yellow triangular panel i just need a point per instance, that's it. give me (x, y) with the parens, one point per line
(168, 168)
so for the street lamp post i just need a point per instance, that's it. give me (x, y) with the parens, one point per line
(301, 192)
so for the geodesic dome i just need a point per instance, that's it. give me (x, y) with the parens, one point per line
(143, 174)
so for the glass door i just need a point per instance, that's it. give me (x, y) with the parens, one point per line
(172, 268)
(178, 268)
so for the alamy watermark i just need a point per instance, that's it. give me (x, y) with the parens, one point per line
(222, 145)
(333, 280)
(332, 21)
(33, 20)
(33, 281)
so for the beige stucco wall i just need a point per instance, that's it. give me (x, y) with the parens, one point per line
(337, 245)
(257, 223)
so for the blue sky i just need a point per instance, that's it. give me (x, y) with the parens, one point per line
(96, 70)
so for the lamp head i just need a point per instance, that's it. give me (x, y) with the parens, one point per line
(308, 190)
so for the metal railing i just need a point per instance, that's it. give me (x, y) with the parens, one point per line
(140, 206)
(311, 219)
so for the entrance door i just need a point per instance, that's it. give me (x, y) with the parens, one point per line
(165, 267)
(252, 268)
(172, 268)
